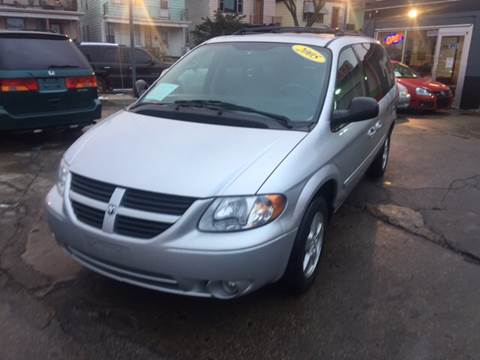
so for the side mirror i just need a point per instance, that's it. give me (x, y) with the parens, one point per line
(140, 87)
(361, 108)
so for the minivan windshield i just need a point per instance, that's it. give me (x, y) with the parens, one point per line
(17, 53)
(286, 81)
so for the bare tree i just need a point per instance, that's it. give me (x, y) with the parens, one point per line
(291, 6)
(312, 17)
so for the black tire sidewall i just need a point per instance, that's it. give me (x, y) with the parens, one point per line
(294, 276)
(377, 170)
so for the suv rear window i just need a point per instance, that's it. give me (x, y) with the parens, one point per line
(39, 54)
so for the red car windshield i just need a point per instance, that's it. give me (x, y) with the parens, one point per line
(402, 71)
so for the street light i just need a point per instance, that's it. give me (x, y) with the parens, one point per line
(413, 13)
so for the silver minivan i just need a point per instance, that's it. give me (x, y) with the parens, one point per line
(221, 178)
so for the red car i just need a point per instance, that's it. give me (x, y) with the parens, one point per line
(425, 93)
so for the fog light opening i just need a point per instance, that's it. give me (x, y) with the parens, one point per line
(228, 289)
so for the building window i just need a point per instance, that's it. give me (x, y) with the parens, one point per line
(320, 18)
(56, 28)
(235, 6)
(164, 36)
(110, 33)
(394, 42)
(164, 4)
(15, 24)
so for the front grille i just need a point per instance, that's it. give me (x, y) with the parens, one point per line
(155, 202)
(94, 189)
(443, 100)
(88, 215)
(127, 223)
(138, 228)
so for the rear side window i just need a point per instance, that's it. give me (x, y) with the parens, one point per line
(141, 57)
(39, 54)
(378, 70)
(350, 79)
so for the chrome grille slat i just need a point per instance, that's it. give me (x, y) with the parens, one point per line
(92, 188)
(139, 228)
(154, 202)
(88, 215)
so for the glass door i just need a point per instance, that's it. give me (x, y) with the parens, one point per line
(451, 59)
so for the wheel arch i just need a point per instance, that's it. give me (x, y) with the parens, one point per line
(325, 182)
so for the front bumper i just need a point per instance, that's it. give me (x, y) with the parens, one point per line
(430, 103)
(176, 261)
(50, 119)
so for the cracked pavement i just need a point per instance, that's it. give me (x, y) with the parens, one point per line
(400, 278)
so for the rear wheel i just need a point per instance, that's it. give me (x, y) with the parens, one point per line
(379, 165)
(303, 266)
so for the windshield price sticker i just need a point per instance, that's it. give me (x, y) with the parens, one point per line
(161, 91)
(309, 53)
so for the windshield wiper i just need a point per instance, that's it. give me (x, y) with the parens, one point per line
(148, 103)
(226, 106)
(63, 66)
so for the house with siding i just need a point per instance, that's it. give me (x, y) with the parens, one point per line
(160, 25)
(61, 16)
(257, 12)
(343, 14)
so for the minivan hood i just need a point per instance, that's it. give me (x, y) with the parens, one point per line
(179, 157)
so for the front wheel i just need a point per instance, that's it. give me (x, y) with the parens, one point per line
(379, 165)
(303, 264)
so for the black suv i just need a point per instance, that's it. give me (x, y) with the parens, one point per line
(111, 63)
(45, 81)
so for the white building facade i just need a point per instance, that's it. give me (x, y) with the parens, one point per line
(60, 16)
(257, 12)
(160, 25)
(335, 13)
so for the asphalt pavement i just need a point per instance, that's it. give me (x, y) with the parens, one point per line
(400, 278)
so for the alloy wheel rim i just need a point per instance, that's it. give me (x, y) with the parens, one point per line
(313, 245)
(386, 148)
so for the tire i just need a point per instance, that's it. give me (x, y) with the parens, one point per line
(379, 165)
(301, 273)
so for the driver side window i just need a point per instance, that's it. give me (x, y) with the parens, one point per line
(350, 79)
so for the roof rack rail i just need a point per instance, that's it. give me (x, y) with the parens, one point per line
(322, 29)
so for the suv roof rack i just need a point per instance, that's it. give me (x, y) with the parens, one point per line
(323, 29)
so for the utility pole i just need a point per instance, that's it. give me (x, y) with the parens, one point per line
(132, 45)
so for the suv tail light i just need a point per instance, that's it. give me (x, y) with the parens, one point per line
(81, 82)
(18, 85)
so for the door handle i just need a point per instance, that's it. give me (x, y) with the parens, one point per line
(372, 131)
(378, 125)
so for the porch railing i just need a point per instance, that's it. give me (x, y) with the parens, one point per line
(67, 5)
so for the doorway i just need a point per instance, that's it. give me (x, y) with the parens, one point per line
(258, 12)
(451, 58)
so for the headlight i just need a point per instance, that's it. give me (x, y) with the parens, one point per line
(423, 92)
(241, 213)
(62, 176)
(403, 91)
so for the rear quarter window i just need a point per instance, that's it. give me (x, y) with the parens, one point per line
(18, 53)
